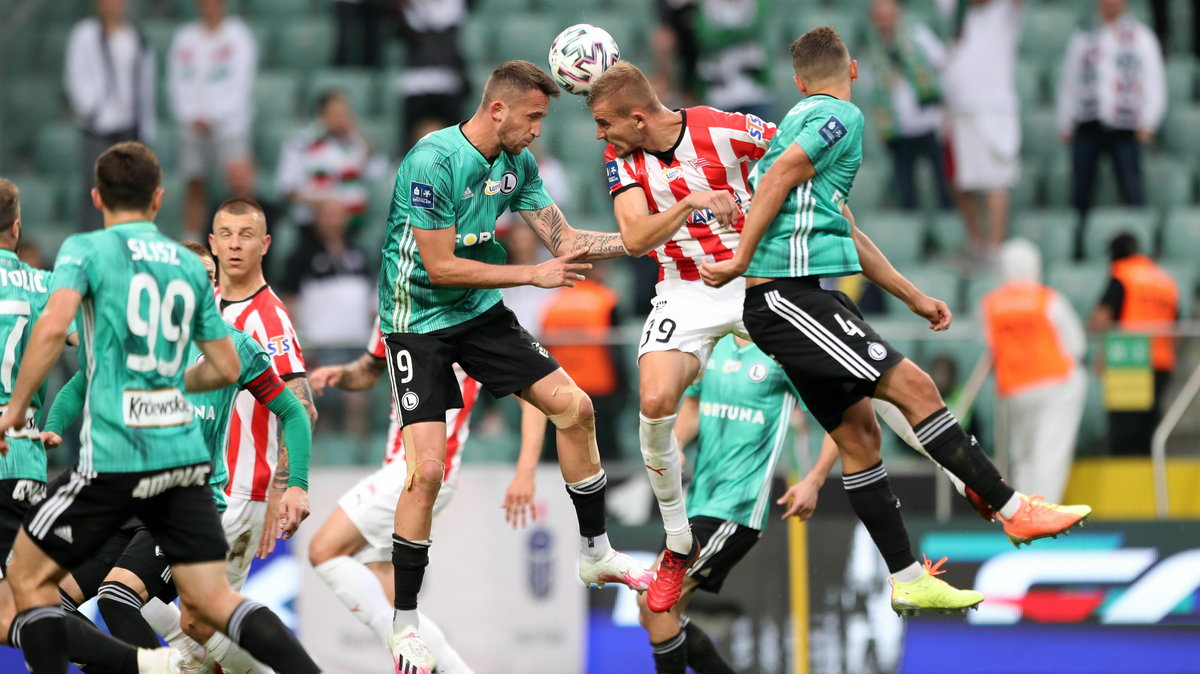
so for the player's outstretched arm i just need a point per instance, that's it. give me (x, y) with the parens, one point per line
(880, 271)
(360, 374)
(219, 368)
(791, 169)
(518, 498)
(447, 269)
(561, 238)
(801, 498)
(687, 421)
(67, 405)
(45, 345)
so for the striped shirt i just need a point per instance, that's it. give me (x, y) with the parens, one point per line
(253, 430)
(713, 152)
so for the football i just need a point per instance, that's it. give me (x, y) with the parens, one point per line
(579, 55)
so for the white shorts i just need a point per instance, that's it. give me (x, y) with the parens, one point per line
(371, 504)
(243, 524)
(201, 154)
(986, 151)
(689, 316)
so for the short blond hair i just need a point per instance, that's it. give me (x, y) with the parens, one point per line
(625, 87)
(820, 55)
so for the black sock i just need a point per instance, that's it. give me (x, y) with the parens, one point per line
(122, 611)
(67, 602)
(879, 510)
(265, 637)
(409, 559)
(702, 655)
(96, 652)
(40, 634)
(588, 497)
(949, 445)
(670, 656)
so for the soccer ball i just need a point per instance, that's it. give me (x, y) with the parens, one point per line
(579, 55)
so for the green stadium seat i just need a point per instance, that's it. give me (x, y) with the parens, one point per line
(871, 186)
(1039, 135)
(934, 281)
(183, 10)
(276, 9)
(361, 87)
(1082, 285)
(1056, 179)
(1178, 131)
(1104, 223)
(170, 218)
(1181, 79)
(1047, 28)
(526, 37)
(1029, 83)
(1181, 232)
(381, 133)
(58, 147)
(1180, 25)
(965, 352)
(1025, 195)
(28, 103)
(275, 96)
(159, 33)
(900, 235)
(39, 200)
(948, 233)
(1170, 183)
(52, 52)
(1093, 428)
(268, 142)
(267, 36)
(849, 23)
(475, 39)
(166, 145)
(630, 30)
(305, 43)
(1052, 230)
(497, 7)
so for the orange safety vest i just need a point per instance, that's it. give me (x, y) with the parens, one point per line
(1025, 345)
(1151, 301)
(581, 315)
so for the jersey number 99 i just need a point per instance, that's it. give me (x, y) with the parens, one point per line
(159, 321)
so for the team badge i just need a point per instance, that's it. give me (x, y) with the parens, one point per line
(420, 195)
(832, 131)
(409, 401)
(672, 173)
(505, 185)
(876, 351)
(757, 373)
(612, 173)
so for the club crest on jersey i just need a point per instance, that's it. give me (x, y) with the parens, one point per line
(612, 173)
(757, 373)
(698, 163)
(277, 346)
(409, 401)
(832, 131)
(672, 173)
(877, 351)
(420, 195)
(505, 185)
(755, 127)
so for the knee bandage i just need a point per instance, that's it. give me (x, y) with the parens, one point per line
(570, 417)
(414, 464)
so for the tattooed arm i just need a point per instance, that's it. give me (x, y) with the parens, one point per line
(358, 375)
(561, 238)
(287, 502)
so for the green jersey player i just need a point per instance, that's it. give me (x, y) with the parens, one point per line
(799, 230)
(439, 304)
(142, 299)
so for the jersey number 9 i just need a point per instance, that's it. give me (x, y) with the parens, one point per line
(159, 320)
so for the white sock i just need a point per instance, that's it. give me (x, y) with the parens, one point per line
(894, 418)
(909, 573)
(594, 547)
(405, 618)
(448, 660)
(358, 589)
(231, 656)
(1012, 506)
(661, 454)
(163, 618)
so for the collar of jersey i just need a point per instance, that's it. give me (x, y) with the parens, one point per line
(4, 252)
(139, 224)
(668, 156)
(462, 137)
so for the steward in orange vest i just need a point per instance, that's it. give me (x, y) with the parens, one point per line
(1140, 296)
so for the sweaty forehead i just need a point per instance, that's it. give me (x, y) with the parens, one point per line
(236, 223)
(532, 100)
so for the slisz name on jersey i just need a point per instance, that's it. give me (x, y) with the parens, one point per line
(732, 412)
(187, 476)
(153, 251)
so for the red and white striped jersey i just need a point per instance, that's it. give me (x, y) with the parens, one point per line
(458, 426)
(713, 152)
(253, 429)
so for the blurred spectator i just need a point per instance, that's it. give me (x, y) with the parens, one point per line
(979, 88)
(109, 78)
(434, 84)
(1037, 343)
(1111, 98)
(903, 60)
(1139, 296)
(30, 253)
(577, 328)
(328, 160)
(212, 68)
(327, 274)
(359, 40)
(721, 42)
(676, 53)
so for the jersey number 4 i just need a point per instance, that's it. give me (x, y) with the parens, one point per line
(849, 328)
(166, 314)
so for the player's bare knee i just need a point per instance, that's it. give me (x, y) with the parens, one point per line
(657, 404)
(569, 407)
(319, 551)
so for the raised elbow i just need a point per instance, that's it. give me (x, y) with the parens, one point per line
(229, 371)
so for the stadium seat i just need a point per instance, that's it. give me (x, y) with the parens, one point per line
(948, 233)
(275, 95)
(898, 234)
(381, 133)
(1027, 192)
(1039, 134)
(1052, 230)
(360, 85)
(39, 200)
(170, 218)
(1181, 80)
(1180, 233)
(58, 146)
(158, 33)
(1029, 83)
(1082, 285)
(267, 37)
(268, 142)
(1170, 182)
(52, 52)
(1104, 223)
(475, 39)
(166, 145)
(1047, 28)
(305, 43)
(526, 37)
(1178, 132)
(871, 188)
(276, 9)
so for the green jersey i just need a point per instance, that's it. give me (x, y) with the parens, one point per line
(23, 295)
(810, 236)
(213, 408)
(443, 182)
(145, 298)
(746, 402)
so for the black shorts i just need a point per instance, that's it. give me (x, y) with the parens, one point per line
(17, 496)
(492, 348)
(131, 548)
(82, 511)
(833, 357)
(722, 545)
